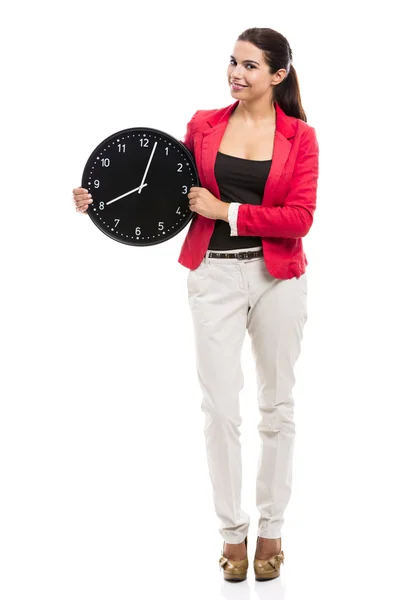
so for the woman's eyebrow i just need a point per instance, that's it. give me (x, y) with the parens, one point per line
(251, 61)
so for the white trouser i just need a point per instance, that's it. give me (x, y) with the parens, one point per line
(226, 297)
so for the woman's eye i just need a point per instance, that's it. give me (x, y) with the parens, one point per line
(248, 65)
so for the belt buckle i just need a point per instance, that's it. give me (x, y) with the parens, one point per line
(243, 255)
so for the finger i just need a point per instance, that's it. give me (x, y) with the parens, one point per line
(79, 190)
(81, 204)
(82, 195)
(81, 199)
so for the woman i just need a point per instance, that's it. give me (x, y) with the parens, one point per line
(258, 166)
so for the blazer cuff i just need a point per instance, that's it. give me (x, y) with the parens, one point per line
(232, 216)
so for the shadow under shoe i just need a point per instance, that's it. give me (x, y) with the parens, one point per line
(234, 570)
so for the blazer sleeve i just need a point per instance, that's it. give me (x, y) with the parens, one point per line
(295, 218)
(188, 139)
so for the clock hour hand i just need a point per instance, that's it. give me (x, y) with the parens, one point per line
(127, 194)
(147, 168)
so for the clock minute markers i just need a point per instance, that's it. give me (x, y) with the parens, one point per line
(126, 194)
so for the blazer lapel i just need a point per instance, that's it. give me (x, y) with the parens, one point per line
(211, 140)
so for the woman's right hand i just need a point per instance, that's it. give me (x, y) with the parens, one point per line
(82, 199)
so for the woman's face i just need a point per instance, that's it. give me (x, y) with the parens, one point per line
(248, 68)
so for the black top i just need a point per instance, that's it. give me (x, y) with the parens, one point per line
(239, 180)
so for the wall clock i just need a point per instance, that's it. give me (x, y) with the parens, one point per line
(139, 179)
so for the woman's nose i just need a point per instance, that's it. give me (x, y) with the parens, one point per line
(236, 73)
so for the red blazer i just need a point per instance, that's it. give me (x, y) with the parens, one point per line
(289, 201)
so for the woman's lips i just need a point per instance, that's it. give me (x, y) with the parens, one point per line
(236, 87)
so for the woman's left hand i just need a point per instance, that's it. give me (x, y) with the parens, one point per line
(204, 203)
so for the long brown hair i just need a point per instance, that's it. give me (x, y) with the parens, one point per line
(278, 55)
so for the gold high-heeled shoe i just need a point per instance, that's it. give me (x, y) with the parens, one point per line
(268, 568)
(234, 570)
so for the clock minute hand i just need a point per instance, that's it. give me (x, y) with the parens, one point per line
(126, 194)
(147, 168)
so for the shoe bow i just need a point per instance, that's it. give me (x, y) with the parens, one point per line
(276, 561)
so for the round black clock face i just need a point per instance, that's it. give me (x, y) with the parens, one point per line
(139, 179)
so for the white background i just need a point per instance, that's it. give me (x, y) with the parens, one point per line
(105, 491)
